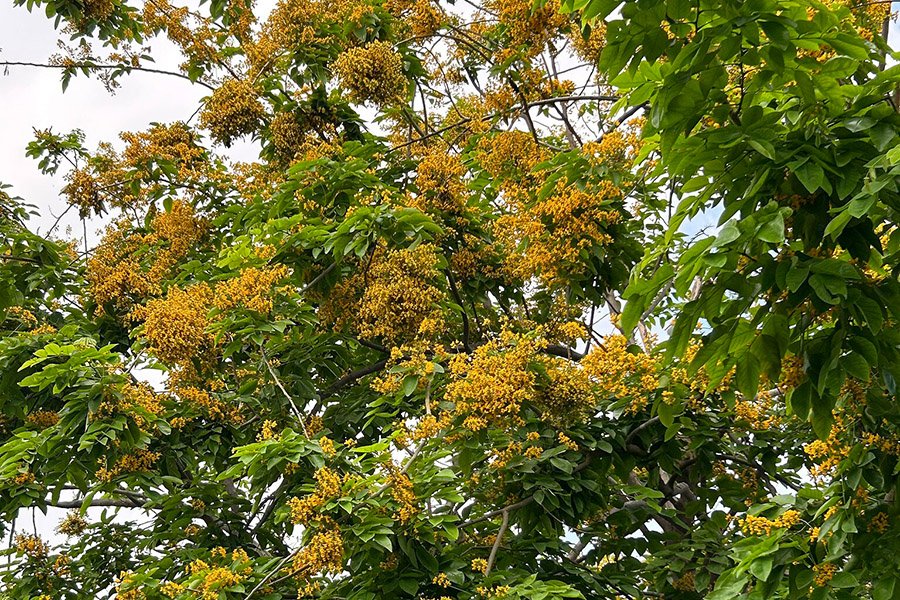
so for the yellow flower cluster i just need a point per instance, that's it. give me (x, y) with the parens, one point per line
(328, 486)
(685, 583)
(403, 494)
(823, 573)
(792, 372)
(216, 579)
(400, 300)
(23, 478)
(568, 395)
(251, 289)
(128, 179)
(42, 418)
(372, 73)
(425, 18)
(879, 523)
(132, 400)
(98, 10)
(176, 231)
(429, 425)
(753, 525)
(441, 580)
(758, 412)
(170, 143)
(323, 553)
(567, 442)
(82, 190)
(616, 149)
(327, 446)
(547, 238)
(441, 185)
(268, 430)
(589, 44)
(490, 385)
(296, 24)
(214, 408)
(171, 589)
(500, 458)
(497, 592)
(133, 462)
(622, 374)
(286, 133)
(114, 271)
(73, 524)
(528, 29)
(43, 329)
(22, 314)
(512, 154)
(888, 446)
(175, 326)
(415, 358)
(124, 591)
(697, 382)
(186, 29)
(830, 452)
(32, 546)
(479, 565)
(233, 111)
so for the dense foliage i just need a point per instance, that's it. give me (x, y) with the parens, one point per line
(586, 299)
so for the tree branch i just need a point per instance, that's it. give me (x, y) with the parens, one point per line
(102, 67)
(97, 502)
(284, 391)
(496, 547)
(352, 377)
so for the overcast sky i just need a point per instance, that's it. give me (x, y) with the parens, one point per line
(33, 98)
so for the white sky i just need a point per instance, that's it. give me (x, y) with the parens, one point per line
(33, 98)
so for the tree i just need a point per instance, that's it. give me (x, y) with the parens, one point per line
(455, 333)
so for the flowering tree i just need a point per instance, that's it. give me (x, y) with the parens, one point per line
(467, 328)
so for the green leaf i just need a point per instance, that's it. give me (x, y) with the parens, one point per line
(843, 579)
(797, 276)
(764, 147)
(772, 231)
(801, 399)
(410, 382)
(856, 366)
(810, 175)
(747, 375)
(883, 588)
(761, 568)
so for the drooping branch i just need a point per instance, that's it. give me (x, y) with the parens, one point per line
(102, 67)
(78, 503)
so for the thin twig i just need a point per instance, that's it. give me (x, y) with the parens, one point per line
(285, 392)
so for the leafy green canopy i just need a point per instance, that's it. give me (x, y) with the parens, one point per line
(463, 347)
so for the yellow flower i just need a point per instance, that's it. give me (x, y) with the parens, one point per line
(479, 565)
(372, 73)
(175, 326)
(233, 111)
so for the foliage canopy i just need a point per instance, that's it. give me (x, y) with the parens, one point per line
(460, 331)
